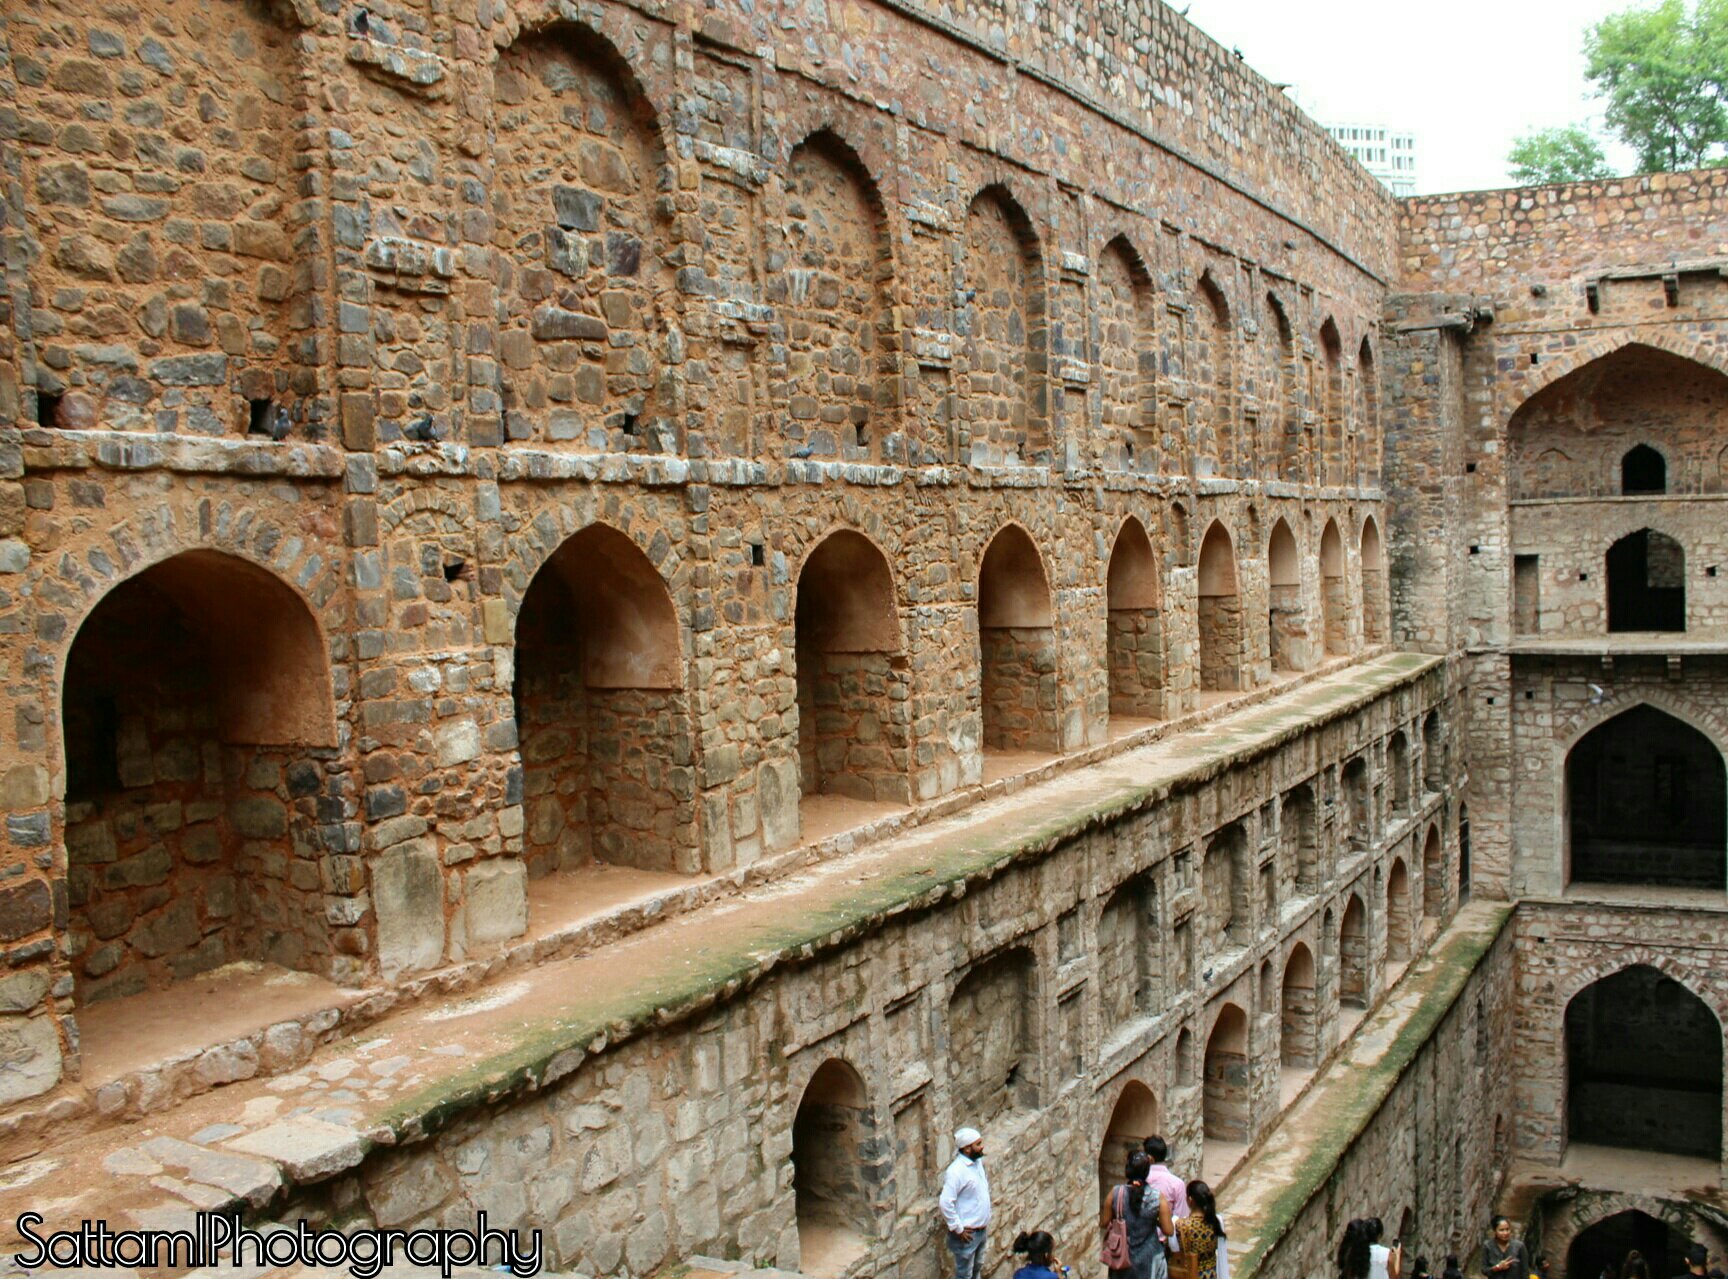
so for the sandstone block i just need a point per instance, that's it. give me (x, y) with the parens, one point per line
(408, 900)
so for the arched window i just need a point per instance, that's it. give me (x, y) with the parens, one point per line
(1646, 583)
(1647, 804)
(1643, 470)
(1644, 1066)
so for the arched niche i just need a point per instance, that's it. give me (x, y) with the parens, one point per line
(1399, 925)
(1286, 622)
(1133, 1119)
(1128, 360)
(1334, 592)
(1226, 1104)
(1220, 613)
(1017, 646)
(196, 708)
(1135, 636)
(1433, 875)
(834, 1170)
(1292, 442)
(1623, 1094)
(1353, 955)
(1647, 804)
(1215, 438)
(1643, 472)
(1374, 599)
(602, 716)
(1331, 399)
(1003, 333)
(1646, 583)
(1299, 1012)
(993, 1034)
(853, 728)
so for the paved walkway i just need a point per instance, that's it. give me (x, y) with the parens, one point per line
(402, 1076)
(1266, 1195)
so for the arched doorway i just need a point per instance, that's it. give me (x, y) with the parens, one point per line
(1017, 647)
(1334, 592)
(1353, 955)
(833, 1174)
(601, 712)
(1604, 1245)
(1286, 626)
(1220, 613)
(1225, 1103)
(1374, 601)
(1644, 1066)
(1134, 1118)
(1646, 583)
(197, 708)
(1398, 924)
(1647, 803)
(1643, 471)
(1298, 1038)
(853, 705)
(1135, 642)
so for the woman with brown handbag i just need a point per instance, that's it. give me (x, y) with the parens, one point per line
(1133, 1217)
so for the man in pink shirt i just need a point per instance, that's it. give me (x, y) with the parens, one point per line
(1169, 1186)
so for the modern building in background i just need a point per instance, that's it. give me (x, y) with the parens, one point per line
(1389, 154)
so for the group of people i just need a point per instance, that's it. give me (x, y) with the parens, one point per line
(1154, 1226)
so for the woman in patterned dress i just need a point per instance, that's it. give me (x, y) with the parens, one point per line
(1201, 1235)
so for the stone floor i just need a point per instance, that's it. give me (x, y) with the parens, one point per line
(234, 1146)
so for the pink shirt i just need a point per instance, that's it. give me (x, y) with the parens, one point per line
(1171, 1188)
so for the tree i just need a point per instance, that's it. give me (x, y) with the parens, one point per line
(1566, 154)
(1664, 73)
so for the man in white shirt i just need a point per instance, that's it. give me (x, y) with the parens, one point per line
(965, 1204)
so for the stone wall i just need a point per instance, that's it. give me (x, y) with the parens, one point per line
(1030, 1000)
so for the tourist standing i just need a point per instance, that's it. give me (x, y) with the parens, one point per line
(1201, 1234)
(1146, 1214)
(1383, 1262)
(1503, 1257)
(1697, 1261)
(1171, 1188)
(1636, 1267)
(965, 1204)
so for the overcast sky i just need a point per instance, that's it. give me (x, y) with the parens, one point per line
(1465, 76)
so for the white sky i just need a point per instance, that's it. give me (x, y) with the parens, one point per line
(1465, 76)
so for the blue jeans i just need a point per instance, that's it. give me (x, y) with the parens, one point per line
(968, 1254)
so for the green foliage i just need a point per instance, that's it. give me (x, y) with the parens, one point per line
(1664, 74)
(1566, 154)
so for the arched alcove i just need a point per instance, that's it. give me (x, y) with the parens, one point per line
(1226, 1103)
(1603, 1246)
(992, 1039)
(1398, 770)
(197, 707)
(1299, 1013)
(1355, 809)
(1353, 955)
(1128, 360)
(1133, 1119)
(1647, 803)
(1398, 913)
(1646, 575)
(1374, 599)
(1017, 646)
(1299, 840)
(584, 240)
(1126, 944)
(1367, 419)
(1286, 624)
(1214, 443)
(1433, 755)
(853, 689)
(1334, 592)
(1220, 613)
(1292, 442)
(1463, 854)
(1331, 404)
(1433, 875)
(1643, 471)
(1644, 1066)
(1003, 336)
(834, 1173)
(601, 713)
(830, 273)
(1224, 880)
(1135, 639)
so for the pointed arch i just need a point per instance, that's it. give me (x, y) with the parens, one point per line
(581, 160)
(1225, 1103)
(1132, 1119)
(1375, 604)
(1134, 617)
(1017, 646)
(1353, 954)
(599, 658)
(1128, 359)
(1368, 441)
(1331, 399)
(1643, 470)
(831, 271)
(1286, 620)
(1215, 379)
(1299, 1012)
(1003, 332)
(835, 1163)
(1220, 612)
(1433, 874)
(1292, 446)
(1334, 592)
(1399, 925)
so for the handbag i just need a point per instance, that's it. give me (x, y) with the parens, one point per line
(1114, 1254)
(1183, 1265)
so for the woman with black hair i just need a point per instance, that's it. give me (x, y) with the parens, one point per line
(1353, 1251)
(1039, 1250)
(1504, 1257)
(1200, 1234)
(1142, 1209)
